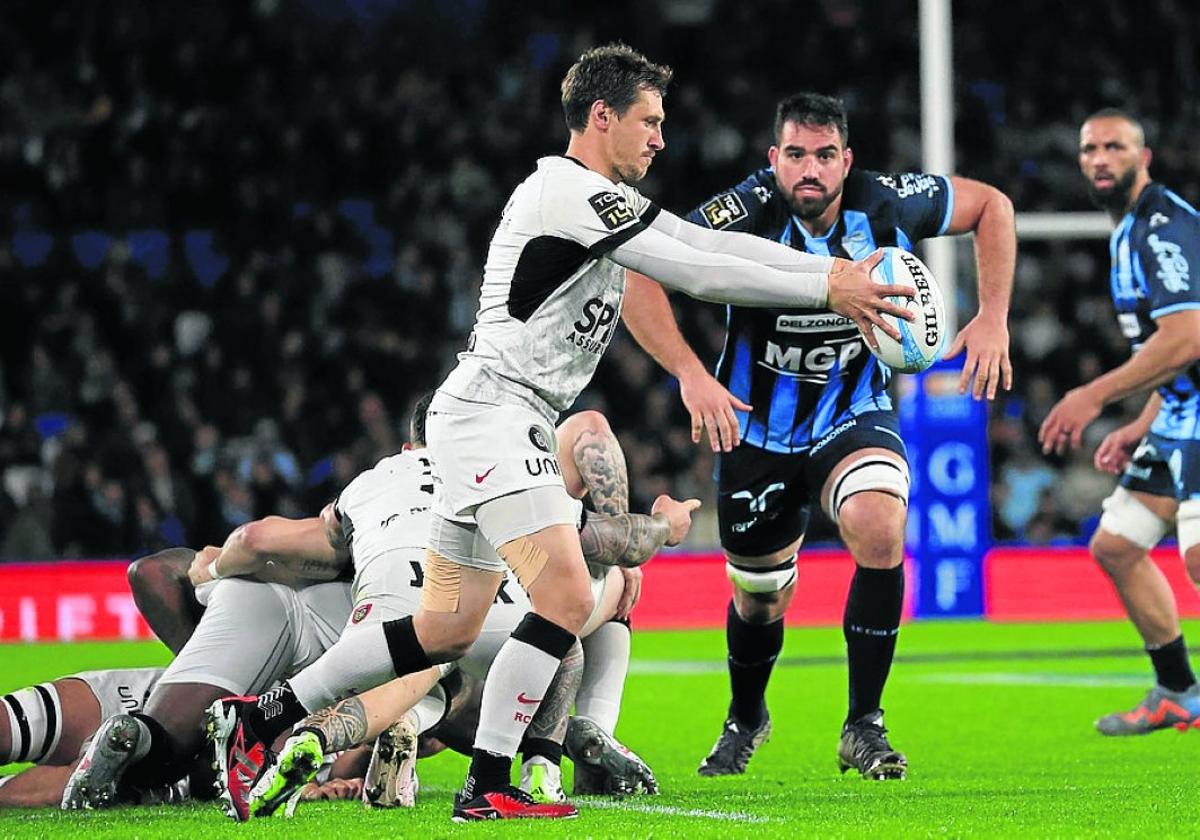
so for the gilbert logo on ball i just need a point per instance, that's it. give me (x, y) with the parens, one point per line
(922, 339)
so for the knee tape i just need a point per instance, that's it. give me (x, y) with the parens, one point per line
(874, 472)
(757, 581)
(1187, 525)
(525, 559)
(1126, 517)
(442, 586)
(34, 723)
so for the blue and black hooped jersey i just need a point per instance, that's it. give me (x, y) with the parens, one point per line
(806, 371)
(1154, 250)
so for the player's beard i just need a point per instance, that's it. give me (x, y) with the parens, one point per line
(813, 208)
(1116, 197)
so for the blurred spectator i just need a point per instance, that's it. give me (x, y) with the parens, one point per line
(236, 240)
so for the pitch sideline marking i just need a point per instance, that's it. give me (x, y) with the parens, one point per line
(1060, 680)
(672, 811)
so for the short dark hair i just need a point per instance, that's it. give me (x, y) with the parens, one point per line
(416, 423)
(614, 73)
(1120, 114)
(813, 109)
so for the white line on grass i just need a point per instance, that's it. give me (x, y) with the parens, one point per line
(1067, 680)
(671, 811)
(628, 805)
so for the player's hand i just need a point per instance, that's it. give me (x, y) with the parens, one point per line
(333, 789)
(854, 294)
(1063, 427)
(986, 343)
(1116, 450)
(633, 591)
(712, 408)
(678, 514)
(198, 570)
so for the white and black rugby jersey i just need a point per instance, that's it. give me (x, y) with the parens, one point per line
(387, 507)
(551, 298)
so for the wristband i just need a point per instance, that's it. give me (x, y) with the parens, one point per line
(212, 570)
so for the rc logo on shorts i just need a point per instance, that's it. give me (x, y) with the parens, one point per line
(613, 209)
(360, 613)
(724, 210)
(537, 436)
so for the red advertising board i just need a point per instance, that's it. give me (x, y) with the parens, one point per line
(75, 599)
(81, 599)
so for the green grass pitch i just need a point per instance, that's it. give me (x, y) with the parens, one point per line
(996, 721)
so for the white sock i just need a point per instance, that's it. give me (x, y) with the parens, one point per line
(605, 665)
(515, 686)
(358, 661)
(429, 710)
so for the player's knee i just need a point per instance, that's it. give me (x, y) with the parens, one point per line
(1113, 553)
(763, 607)
(1128, 529)
(872, 526)
(1187, 525)
(761, 593)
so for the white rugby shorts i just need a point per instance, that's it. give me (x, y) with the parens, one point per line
(254, 634)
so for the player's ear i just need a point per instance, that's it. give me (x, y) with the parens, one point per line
(772, 155)
(1147, 156)
(848, 157)
(600, 114)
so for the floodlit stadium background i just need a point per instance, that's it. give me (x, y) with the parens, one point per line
(238, 239)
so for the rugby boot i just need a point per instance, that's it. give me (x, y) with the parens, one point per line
(391, 780)
(590, 746)
(296, 766)
(509, 803)
(733, 749)
(864, 746)
(93, 783)
(1160, 708)
(541, 778)
(241, 756)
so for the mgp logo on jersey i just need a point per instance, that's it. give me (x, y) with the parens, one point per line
(613, 209)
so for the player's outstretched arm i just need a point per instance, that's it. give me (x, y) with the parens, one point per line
(630, 539)
(1173, 347)
(845, 287)
(300, 548)
(988, 213)
(648, 315)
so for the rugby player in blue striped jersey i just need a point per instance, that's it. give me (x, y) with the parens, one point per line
(800, 414)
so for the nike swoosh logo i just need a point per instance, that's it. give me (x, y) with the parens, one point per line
(521, 698)
(479, 478)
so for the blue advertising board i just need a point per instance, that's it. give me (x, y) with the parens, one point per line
(949, 521)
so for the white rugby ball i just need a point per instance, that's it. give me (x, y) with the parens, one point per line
(922, 338)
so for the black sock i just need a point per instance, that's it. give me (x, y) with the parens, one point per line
(276, 711)
(544, 747)
(155, 767)
(870, 625)
(488, 772)
(1171, 666)
(753, 649)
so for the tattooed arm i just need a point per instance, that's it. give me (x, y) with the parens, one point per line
(593, 463)
(279, 550)
(630, 539)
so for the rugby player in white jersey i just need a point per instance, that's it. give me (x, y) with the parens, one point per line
(380, 522)
(550, 301)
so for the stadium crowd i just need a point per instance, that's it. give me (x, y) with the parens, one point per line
(237, 241)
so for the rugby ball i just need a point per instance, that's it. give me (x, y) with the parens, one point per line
(922, 339)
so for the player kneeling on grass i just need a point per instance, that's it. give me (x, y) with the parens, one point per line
(380, 521)
(276, 630)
